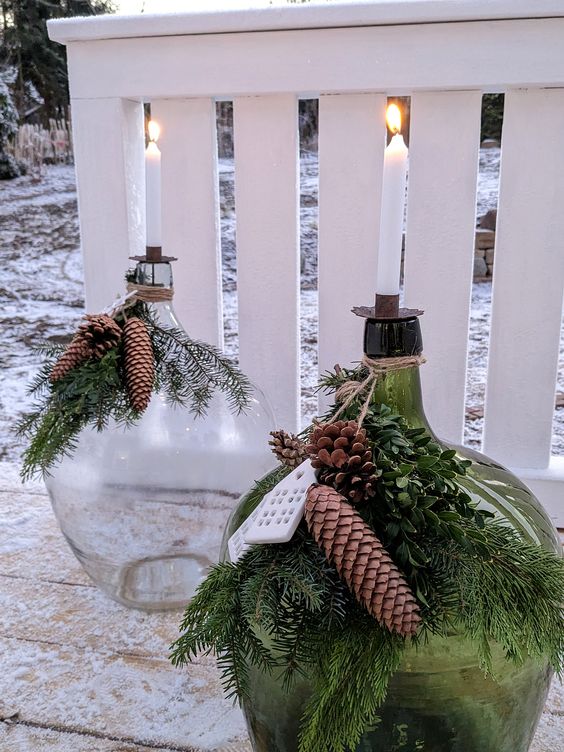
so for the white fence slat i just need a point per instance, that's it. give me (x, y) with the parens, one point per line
(108, 151)
(443, 169)
(266, 204)
(190, 208)
(528, 280)
(417, 57)
(352, 136)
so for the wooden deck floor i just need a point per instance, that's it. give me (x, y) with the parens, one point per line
(80, 673)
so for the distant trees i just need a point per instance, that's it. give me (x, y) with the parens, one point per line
(8, 127)
(36, 66)
(492, 115)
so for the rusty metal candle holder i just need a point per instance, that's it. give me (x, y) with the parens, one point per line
(154, 255)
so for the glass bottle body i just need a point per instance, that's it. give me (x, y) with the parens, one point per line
(439, 700)
(143, 507)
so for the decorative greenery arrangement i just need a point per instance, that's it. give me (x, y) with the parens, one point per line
(292, 610)
(107, 374)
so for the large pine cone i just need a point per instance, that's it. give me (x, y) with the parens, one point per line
(139, 363)
(76, 353)
(290, 450)
(341, 453)
(361, 560)
(100, 332)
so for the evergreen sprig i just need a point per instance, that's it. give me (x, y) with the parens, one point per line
(512, 595)
(282, 609)
(416, 495)
(187, 371)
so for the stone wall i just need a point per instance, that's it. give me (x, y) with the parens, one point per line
(484, 244)
(484, 254)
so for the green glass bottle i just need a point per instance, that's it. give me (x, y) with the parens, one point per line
(439, 700)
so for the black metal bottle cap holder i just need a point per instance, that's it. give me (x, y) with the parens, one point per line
(390, 331)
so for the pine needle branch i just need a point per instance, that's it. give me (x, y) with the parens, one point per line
(94, 394)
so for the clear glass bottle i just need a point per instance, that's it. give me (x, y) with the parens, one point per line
(143, 508)
(439, 700)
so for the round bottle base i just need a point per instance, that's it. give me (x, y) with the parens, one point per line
(159, 583)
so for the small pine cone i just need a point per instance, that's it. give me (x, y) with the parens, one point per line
(341, 453)
(76, 353)
(138, 363)
(290, 450)
(361, 560)
(100, 332)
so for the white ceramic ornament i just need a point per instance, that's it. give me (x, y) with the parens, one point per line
(236, 544)
(277, 517)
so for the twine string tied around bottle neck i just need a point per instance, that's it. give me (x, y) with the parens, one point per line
(150, 293)
(350, 390)
(135, 292)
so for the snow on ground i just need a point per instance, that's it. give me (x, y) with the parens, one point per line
(41, 289)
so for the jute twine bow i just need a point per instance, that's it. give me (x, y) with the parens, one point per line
(350, 390)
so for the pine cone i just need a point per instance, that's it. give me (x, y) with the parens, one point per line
(138, 363)
(361, 560)
(100, 332)
(76, 353)
(341, 453)
(290, 450)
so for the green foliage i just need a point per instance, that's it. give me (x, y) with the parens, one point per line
(8, 114)
(9, 168)
(417, 494)
(25, 47)
(189, 372)
(350, 680)
(513, 594)
(282, 609)
(492, 115)
(94, 394)
(8, 127)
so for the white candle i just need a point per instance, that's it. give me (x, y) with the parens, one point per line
(393, 202)
(153, 186)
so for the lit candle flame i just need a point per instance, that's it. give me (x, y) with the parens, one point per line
(393, 118)
(154, 130)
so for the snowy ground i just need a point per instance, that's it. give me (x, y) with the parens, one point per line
(41, 287)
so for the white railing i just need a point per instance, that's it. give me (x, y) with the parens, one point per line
(445, 55)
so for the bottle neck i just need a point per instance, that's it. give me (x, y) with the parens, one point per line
(158, 275)
(399, 389)
(165, 314)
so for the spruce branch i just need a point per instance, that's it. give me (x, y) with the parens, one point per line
(282, 609)
(95, 394)
(200, 367)
(350, 682)
(513, 595)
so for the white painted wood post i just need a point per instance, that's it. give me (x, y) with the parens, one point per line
(352, 135)
(528, 280)
(439, 257)
(190, 207)
(108, 149)
(266, 204)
